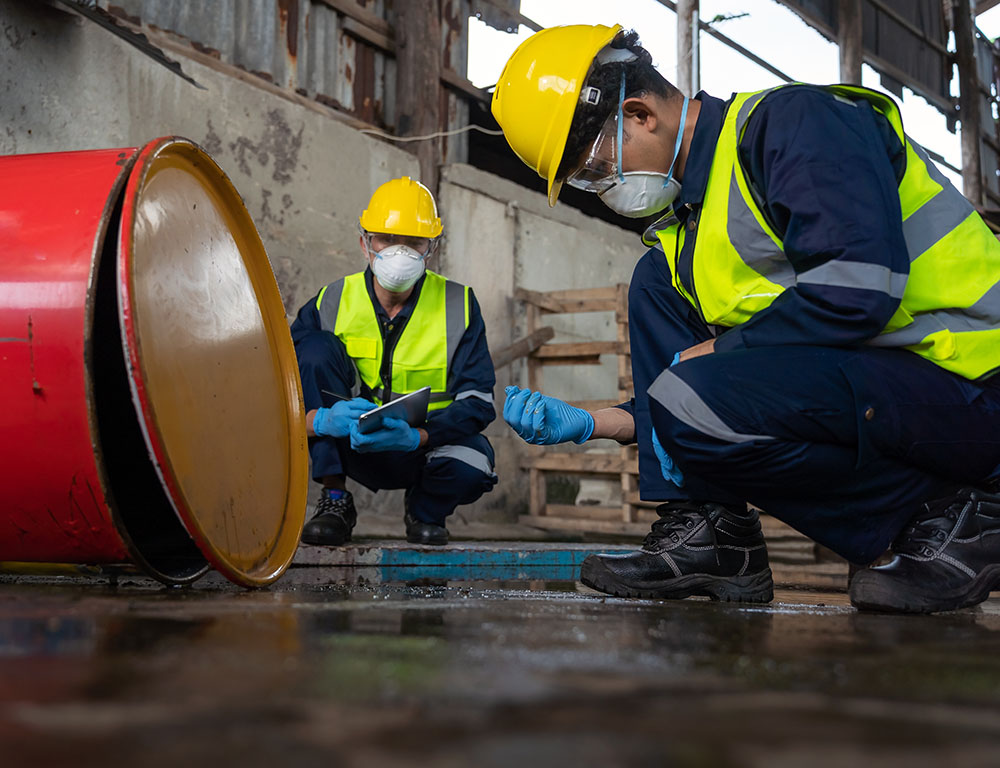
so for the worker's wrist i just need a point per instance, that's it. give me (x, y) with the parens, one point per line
(321, 418)
(588, 427)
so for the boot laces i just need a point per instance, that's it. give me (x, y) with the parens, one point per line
(930, 528)
(326, 504)
(677, 518)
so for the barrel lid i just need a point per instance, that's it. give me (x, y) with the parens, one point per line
(210, 362)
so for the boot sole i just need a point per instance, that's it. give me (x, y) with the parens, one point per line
(319, 541)
(888, 596)
(754, 588)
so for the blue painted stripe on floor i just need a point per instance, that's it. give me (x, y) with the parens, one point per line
(482, 558)
(454, 573)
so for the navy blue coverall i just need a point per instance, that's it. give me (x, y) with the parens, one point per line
(455, 466)
(793, 412)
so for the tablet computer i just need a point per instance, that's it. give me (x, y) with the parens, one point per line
(412, 408)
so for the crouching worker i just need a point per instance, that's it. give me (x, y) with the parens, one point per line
(378, 334)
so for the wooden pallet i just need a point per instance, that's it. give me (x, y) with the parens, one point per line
(623, 464)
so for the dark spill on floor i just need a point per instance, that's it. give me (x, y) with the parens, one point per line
(483, 673)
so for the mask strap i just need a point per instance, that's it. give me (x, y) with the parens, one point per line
(621, 101)
(680, 137)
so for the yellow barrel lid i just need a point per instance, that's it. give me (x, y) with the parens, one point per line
(211, 363)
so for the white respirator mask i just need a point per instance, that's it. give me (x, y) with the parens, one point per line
(643, 193)
(398, 267)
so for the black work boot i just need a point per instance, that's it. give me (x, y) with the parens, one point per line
(948, 557)
(333, 522)
(694, 549)
(419, 532)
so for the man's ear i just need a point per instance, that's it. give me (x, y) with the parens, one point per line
(642, 110)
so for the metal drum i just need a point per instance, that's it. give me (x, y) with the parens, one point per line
(151, 405)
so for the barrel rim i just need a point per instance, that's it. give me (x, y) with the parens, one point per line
(284, 547)
(99, 251)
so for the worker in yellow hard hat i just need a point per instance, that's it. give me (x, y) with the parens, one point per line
(815, 329)
(369, 338)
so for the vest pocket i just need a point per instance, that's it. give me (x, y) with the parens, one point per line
(360, 348)
(412, 379)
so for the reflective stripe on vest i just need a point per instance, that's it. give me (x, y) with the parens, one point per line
(950, 302)
(425, 349)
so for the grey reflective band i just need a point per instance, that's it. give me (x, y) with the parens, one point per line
(464, 454)
(435, 397)
(857, 275)
(938, 216)
(454, 307)
(329, 305)
(756, 248)
(677, 396)
(487, 396)
(744, 114)
(984, 315)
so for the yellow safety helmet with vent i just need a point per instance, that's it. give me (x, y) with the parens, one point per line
(539, 89)
(402, 207)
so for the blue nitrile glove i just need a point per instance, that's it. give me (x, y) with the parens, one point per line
(393, 435)
(543, 420)
(336, 421)
(668, 469)
(677, 359)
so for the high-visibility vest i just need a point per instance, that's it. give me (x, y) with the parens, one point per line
(423, 352)
(950, 302)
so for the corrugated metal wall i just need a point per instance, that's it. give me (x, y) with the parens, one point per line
(311, 47)
(987, 65)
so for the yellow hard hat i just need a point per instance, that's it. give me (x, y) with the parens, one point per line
(539, 89)
(402, 207)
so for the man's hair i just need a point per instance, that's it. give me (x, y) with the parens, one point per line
(588, 119)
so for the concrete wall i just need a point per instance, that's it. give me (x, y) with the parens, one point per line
(305, 175)
(67, 84)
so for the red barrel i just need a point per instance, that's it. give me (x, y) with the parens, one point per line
(152, 411)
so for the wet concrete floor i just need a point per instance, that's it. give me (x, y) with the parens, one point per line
(317, 670)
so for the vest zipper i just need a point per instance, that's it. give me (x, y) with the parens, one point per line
(685, 272)
(389, 346)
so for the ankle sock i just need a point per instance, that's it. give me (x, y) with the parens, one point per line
(334, 493)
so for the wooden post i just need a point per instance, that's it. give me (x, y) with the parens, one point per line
(418, 83)
(686, 13)
(850, 40)
(968, 100)
(626, 479)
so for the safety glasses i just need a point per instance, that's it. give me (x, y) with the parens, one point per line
(379, 241)
(599, 170)
(602, 168)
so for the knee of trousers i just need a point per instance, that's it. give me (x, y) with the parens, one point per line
(323, 364)
(321, 353)
(459, 472)
(696, 435)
